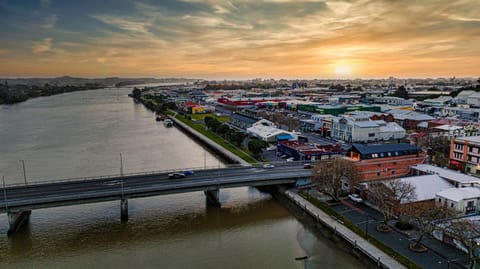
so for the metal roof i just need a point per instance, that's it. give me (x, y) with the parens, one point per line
(369, 149)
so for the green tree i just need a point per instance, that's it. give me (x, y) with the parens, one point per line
(330, 176)
(401, 92)
(223, 129)
(256, 146)
(213, 124)
(236, 137)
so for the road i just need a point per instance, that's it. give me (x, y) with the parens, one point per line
(114, 188)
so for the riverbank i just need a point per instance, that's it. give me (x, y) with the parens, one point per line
(211, 145)
(20, 93)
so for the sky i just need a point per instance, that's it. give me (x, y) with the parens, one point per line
(214, 39)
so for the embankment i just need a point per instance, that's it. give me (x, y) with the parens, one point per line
(211, 145)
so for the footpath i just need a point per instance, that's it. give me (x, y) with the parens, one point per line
(382, 259)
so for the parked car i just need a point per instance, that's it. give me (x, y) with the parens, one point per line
(188, 172)
(355, 197)
(268, 166)
(291, 159)
(176, 175)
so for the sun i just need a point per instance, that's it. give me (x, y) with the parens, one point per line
(343, 70)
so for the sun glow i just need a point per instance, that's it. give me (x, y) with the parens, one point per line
(343, 70)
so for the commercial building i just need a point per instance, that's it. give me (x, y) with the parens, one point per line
(302, 151)
(386, 161)
(465, 154)
(268, 132)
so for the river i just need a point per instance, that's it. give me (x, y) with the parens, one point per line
(93, 133)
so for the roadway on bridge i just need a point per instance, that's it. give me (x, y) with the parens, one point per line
(43, 195)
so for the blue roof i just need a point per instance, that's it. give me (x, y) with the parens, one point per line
(383, 148)
(284, 137)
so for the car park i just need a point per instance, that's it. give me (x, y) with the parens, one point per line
(176, 175)
(355, 197)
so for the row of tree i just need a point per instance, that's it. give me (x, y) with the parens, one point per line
(224, 130)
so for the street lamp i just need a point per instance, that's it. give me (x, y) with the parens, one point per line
(121, 165)
(24, 173)
(5, 193)
(366, 227)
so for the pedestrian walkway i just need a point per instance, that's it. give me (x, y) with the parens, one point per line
(338, 228)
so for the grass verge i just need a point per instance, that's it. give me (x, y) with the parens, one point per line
(217, 139)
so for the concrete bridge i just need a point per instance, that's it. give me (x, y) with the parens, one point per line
(19, 200)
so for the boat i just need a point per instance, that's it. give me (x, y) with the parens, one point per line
(168, 123)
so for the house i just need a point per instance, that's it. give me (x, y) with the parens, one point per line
(302, 151)
(242, 120)
(462, 200)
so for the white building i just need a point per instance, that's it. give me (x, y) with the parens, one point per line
(358, 127)
(268, 132)
(463, 200)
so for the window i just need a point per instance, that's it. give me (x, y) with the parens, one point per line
(451, 205)
(393, 172)
(378, 174)
(439, 200)
(371, 135)
(379, 164)
(394, 163)
(470, 204)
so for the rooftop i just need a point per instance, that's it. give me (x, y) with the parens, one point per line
(448, 174)
(458, 194)
(383, 148)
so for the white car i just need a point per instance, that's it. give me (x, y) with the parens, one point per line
(355, 197)
(291, 159)
(268, 166)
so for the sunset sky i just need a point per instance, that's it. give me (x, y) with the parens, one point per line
(240, 39)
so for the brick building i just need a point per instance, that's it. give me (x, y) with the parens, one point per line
(386, 161)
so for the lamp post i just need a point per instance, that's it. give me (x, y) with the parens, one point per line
(24, 172)
(5, 194)
(121, 165)
(366, 227)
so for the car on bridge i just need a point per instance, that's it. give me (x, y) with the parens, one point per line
(188, 172)
(268, 166)
(176, 175)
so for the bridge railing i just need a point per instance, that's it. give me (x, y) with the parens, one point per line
(133, 174)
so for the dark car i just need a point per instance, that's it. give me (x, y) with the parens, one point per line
(307, 166)
(188, 172)
(176, 175)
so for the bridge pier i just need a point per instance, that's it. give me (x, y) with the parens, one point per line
(213, 197)
(124, 209)
(17, 219)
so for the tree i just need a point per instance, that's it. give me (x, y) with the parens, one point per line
(235, 137)
(136, 93)
(466, 232)
(223, 129)
(330, 175)
(388, 196)
(213, 124)
(424, 217)
(256, 146)
(401, 92)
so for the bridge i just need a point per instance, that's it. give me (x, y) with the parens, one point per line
(19, 200)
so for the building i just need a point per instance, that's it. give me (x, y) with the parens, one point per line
(358, 127)
(302, 151)
(386, 161)
(457, 179)
(393, 101)
(242, 120)
(462, 200)
(268, 132)
(465, 154)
